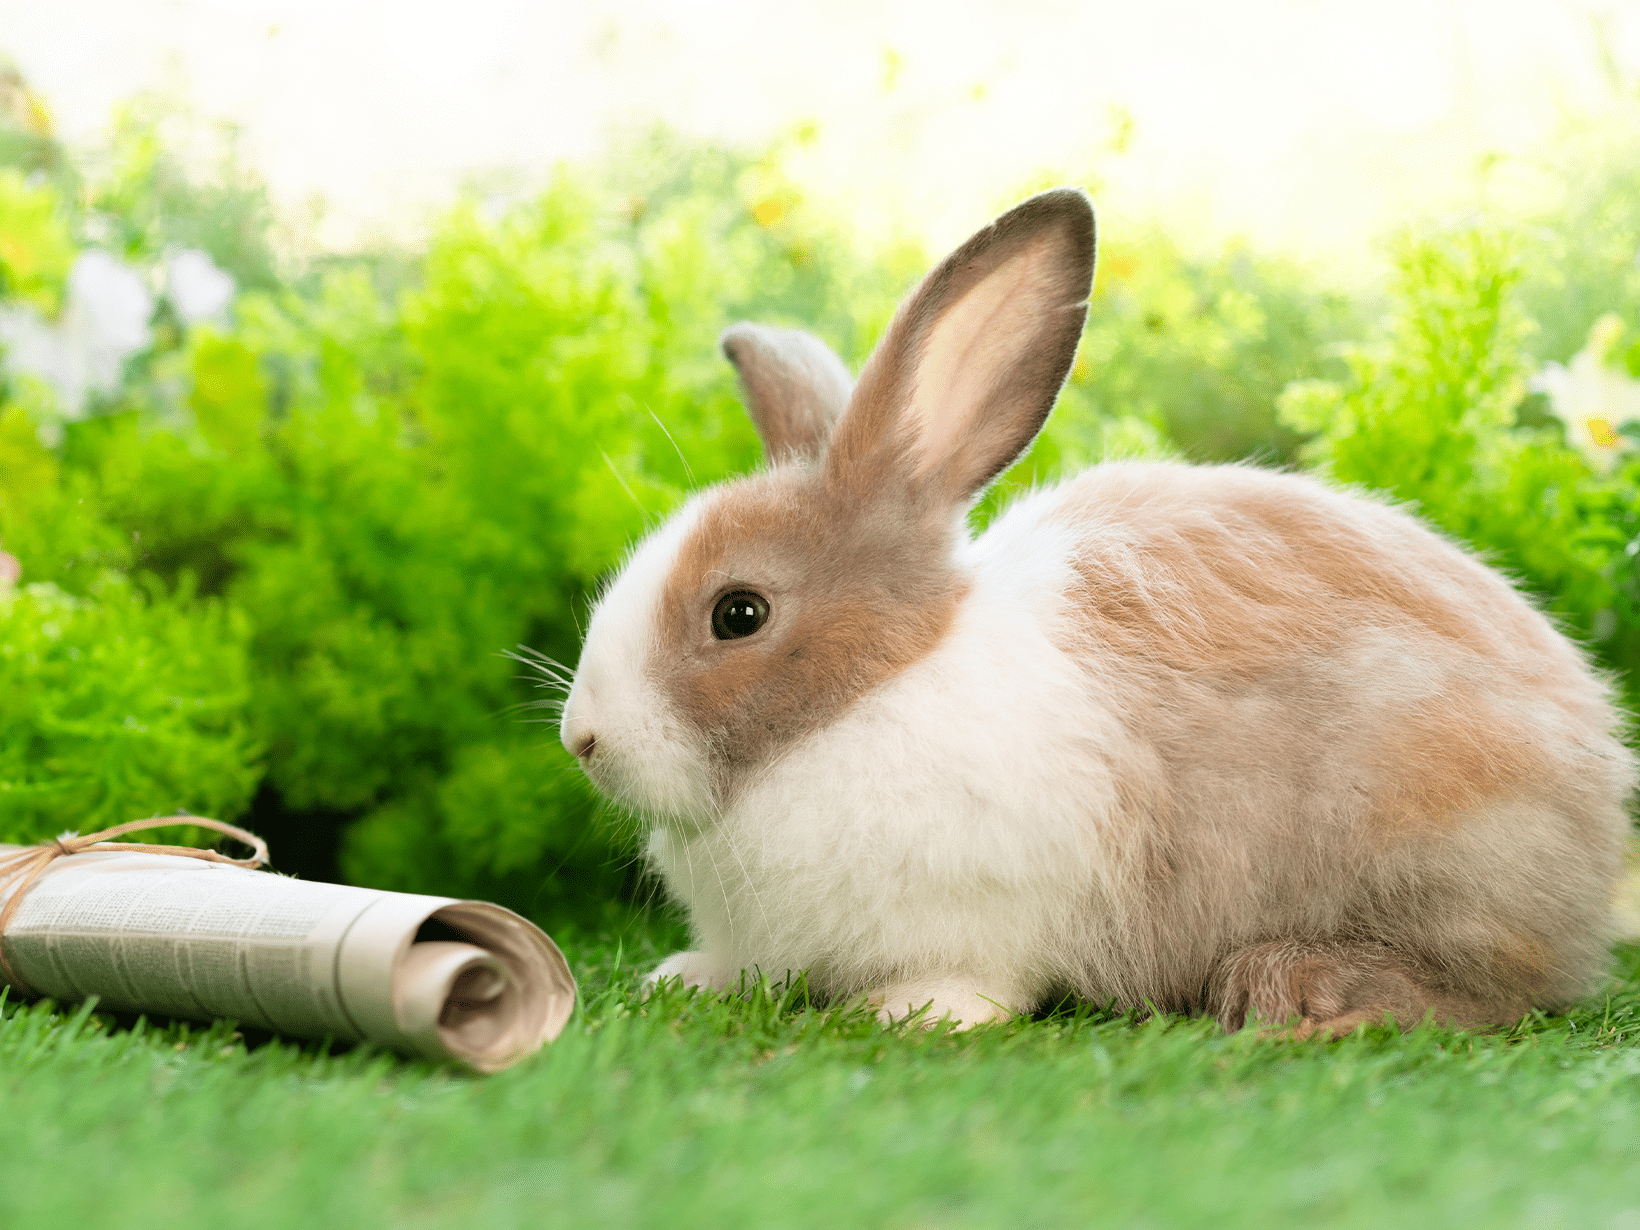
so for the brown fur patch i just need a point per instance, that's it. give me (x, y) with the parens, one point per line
(1227, 569)
(1449, 757)
(857, 593)
(1263, 585)
(1524, 964)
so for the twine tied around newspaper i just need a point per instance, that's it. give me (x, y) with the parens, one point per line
(21, 869)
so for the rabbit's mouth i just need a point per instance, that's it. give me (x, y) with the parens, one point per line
(638, 755)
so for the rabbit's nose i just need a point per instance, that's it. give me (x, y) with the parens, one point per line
(577, 724)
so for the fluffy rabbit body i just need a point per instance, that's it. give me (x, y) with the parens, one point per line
(1213, 738)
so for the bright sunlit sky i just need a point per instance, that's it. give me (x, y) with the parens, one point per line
(1308, 124)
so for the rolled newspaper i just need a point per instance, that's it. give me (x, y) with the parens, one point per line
(177, 936)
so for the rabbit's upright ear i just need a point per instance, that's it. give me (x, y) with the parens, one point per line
(794, 387)
(969, 369)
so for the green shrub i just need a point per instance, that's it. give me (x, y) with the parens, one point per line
(1432, 417)
(514, 819)
(1584, 261)
(116, 708)
(113, 705)
(35, 249)
(1203, 346)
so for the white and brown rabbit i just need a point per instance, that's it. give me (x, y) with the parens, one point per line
(1215, 739)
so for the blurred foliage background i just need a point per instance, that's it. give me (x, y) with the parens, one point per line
(275, 569)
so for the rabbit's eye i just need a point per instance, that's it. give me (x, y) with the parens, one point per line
(738, 615)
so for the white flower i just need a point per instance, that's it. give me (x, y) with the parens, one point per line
(197, 289)
(104, 321)
(10, 570)
(1593, 398)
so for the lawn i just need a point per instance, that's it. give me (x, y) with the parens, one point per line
(760, 1111)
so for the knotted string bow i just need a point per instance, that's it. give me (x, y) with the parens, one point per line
(21, 869)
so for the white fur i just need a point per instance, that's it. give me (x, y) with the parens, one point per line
(646, 757)
(948, 860)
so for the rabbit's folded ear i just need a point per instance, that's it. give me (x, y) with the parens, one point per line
(972, 364)
(795, 387)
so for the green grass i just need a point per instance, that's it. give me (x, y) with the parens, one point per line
(690, 1111)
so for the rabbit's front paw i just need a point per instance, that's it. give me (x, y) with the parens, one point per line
(957, 1002)
(692, 969)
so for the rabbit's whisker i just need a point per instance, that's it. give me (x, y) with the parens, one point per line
(751, 884)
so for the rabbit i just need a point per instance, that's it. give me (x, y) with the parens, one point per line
(1218, 740)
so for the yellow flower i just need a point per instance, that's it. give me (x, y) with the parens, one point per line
(1600, 431)
(1593, 397)
(769, 210)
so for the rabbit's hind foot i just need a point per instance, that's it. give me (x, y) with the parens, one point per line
(1304, 990)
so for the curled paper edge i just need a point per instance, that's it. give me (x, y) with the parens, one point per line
(171, 936)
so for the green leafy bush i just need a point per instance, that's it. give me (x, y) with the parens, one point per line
(1583, 261)
(1432, 416)
(35, 248)
(113, 705)
(1203, 346)
(119, 708)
